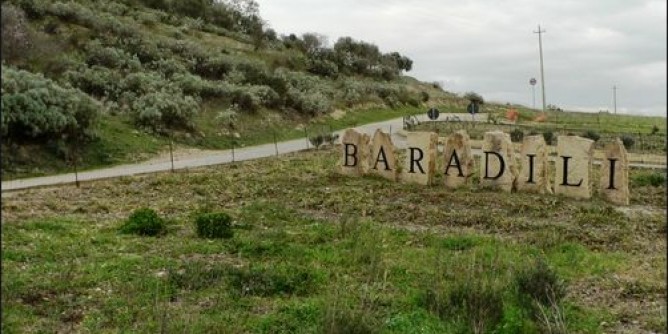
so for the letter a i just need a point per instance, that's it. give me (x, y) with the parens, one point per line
(457, 164)
(381, 157)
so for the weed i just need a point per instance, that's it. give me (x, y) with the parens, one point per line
(214, 225)
(459, 243)
(477, 302)
(540, 283)
(280, 280)
(343, 316)
(144, 221)
(654, 179)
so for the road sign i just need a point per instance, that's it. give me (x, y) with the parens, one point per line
(473, 108)
(532, 81)
(433, 114)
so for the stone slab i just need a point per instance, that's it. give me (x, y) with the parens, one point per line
(534, 166)
(382, 160)
(573, 167)
(497, 162)
(353, 153)
(419, 164)
(458, 159)
(614, 185)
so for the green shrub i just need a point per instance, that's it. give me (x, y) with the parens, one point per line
(477, 301)
(165, 109)
(309, 103)
(316, 140)
(214, 68)
(254, 72)
(214, 225)
(36, 107)
(146, 50)
(194, 85)
(516, 135)
(144, 221)
(97, 81)
(591, 134)
(141, 83)
(549, 137)
(168, 67)
(323, 68)
(655, 129)
(110, 57)
(628, 141)
(342, 319)
(654, 179)
(424, 96)
(16, 34)
(279, 280)
(540, 283)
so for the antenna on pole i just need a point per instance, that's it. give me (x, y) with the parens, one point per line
(542, 76)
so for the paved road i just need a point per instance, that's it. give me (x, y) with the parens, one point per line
(222, 157)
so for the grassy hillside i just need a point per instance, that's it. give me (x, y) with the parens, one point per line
(315, 252)
(110, 81)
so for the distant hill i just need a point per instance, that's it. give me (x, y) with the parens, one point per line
(112, 78)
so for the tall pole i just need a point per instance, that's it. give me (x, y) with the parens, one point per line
(542, 76)
(533, 89)
(614, 98)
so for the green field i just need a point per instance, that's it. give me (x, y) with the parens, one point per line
(640, 134)
(315, 252)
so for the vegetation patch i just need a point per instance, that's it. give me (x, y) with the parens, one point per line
(144, 222)
(214, 225)
(353, 255)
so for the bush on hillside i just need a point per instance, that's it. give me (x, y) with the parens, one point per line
(16, 34)
(168, 67)
(254, 72)
(165, 109)
(144, 222)
(215, 68)
(214, 225)
(196, 86)
(96, 81)
(37, 107)
(110, 57)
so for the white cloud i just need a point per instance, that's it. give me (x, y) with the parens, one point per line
(489, 46)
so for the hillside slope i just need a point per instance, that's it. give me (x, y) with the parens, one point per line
(113, 81)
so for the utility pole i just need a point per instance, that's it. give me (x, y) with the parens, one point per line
(542, 76)
(614, 98)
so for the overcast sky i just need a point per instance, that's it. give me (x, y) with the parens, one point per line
(489, 46)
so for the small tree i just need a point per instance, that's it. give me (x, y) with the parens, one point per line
(474, 97)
